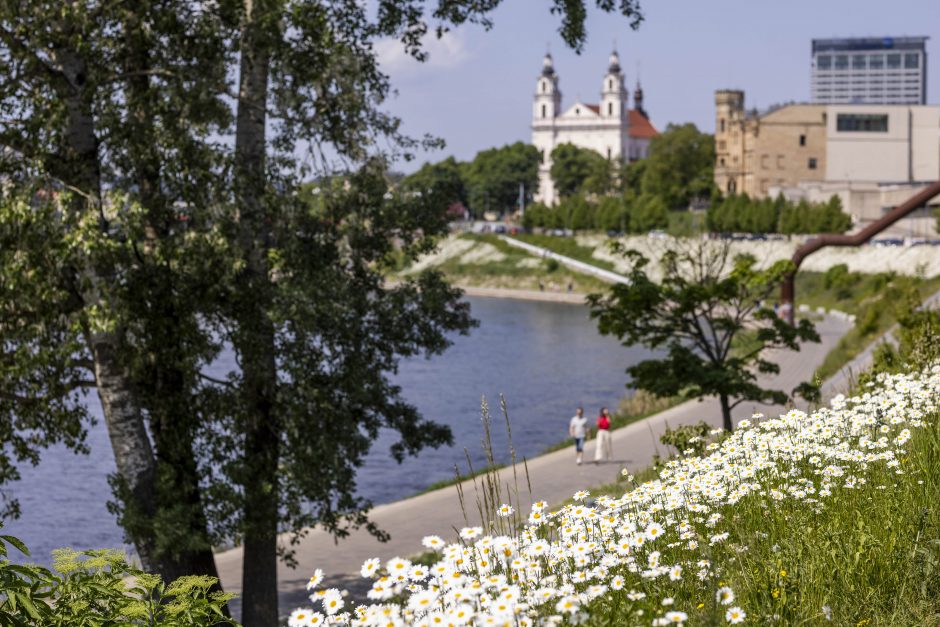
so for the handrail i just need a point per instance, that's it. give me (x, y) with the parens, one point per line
(830, 239)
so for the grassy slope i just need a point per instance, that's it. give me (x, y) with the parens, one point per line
(508, 273)
(873, 298)
(566, 246)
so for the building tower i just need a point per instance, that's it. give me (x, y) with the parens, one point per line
(614, 94)
(638, 100)
(547, 95)
(729, 141)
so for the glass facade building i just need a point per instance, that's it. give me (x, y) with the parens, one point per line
(886, 70)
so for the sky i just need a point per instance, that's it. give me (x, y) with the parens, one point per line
(476, 89)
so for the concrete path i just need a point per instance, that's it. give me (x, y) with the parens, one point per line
(554, 478)
(574, 264)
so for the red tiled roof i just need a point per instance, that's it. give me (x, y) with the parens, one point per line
(595, 108)
(640, 126)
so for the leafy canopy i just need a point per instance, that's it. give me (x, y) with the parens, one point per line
(494, 176)
(680, 165)
(575, 169)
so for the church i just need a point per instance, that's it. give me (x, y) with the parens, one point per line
(610, 127)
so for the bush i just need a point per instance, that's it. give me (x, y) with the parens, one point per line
(100, 588)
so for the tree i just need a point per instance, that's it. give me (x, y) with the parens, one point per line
(494, 176)
(574, 169)
(214, 109)
(97, 97)
(648, 213)
(680, 165)
(706, 315)
(443, 180)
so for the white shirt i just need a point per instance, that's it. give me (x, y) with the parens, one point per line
(578, 426)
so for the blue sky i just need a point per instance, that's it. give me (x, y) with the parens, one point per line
(476, 89)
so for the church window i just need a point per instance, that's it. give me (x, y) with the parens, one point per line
(577, 111)
(608, 153)
(721, 125)
(802, 140)
(543, 111)
(731, 186)
(610, 85)
(610, 108)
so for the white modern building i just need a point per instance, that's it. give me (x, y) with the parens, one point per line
(876, 157)
(883, 143)
(609, 127)
(873, 70)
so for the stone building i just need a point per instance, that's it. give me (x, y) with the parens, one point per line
(860, 152)
(609, 127)
(755, 152)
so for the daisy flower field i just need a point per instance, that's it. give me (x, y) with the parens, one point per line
(827, 517)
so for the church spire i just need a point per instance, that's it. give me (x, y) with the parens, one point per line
(548, 66)
(638, 99)
(613, 64)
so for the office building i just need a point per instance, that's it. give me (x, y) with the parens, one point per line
(885, 70)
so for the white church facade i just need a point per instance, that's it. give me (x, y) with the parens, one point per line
(610, 127)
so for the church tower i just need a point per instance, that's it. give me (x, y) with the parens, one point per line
(547, 95)
(614, 95)
(638, 100)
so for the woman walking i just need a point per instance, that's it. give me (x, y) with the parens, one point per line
(603, 450)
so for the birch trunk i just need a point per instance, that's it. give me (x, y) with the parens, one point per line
(133, 453)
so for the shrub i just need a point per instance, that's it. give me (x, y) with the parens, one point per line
(101, 588)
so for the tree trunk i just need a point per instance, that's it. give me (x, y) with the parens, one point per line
(133, 453)
(726, 413)
(254, 337)
(185, 547)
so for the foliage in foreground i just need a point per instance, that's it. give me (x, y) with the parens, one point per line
(100, 588)
(799, 519)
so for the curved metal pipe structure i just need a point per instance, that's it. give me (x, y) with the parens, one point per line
(912, 204)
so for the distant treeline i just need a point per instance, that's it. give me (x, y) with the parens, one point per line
(741, 214)
(623, 213)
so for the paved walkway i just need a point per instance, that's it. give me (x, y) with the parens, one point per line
(574, 264)
(554, 478)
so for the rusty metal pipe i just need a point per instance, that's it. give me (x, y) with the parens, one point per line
(787, 290)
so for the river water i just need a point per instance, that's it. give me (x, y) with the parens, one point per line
(545, 358)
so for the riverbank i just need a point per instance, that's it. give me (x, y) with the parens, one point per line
(553, 477)
(573, 298)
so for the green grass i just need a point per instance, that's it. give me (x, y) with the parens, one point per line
(567, 246)
(874, 299)
(512, 271)
(870, 554)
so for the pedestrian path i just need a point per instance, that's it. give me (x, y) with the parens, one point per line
(574, 264)
(554, 477)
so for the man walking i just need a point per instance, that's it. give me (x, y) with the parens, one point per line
(577, 429)
(603, 449)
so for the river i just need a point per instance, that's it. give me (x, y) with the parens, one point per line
(545, 358)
